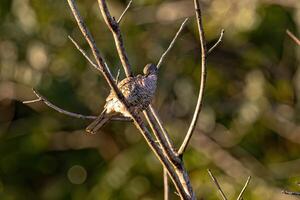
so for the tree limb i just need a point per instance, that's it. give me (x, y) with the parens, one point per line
(215, 181)
(115, 29)
(171, 44)
(202, 82)
(124, 12)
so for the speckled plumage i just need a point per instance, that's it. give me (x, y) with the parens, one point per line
(138, 91)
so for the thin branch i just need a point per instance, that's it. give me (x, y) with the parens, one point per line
(166, 185)
(87, 57)
(117, 76)
(202, 82)
(171, 44)
(217, 43)
(161, 138)
(41, 98)
(217, 184)
(115, 29)
(179, 176)
(240, 197)
(124, 12)
(293, 37)
(291, 193)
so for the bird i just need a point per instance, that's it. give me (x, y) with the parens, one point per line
(137, 90)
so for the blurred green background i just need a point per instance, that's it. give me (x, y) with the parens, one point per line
(249, 124)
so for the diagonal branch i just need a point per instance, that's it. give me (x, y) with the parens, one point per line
(171, 44)
(240, 197)
(217, 184)
(178, 175)
(65, 112)
(202, 82)
(217, 43)
(124, 12)
(293, 37)
(115, 29)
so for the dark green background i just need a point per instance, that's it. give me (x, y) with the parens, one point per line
(248, 125)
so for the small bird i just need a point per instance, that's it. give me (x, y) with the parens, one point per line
(138, 91)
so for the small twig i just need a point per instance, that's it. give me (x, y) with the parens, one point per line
(65, 112)
(293, 37)
(217, 184)
(124, 12)
(117, 76)
(217, 43)
(171, 44)
(166, 184)
(240, 197)
(32, 101)
(291, 193)
(202, 82)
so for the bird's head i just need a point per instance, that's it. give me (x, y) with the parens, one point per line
(150, 69)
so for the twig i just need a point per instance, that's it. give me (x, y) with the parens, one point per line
(117, 76)
(124, 12)
(291, 193)
(240, 197)
(202, 82)
(293, 37)
(179, 176)
(115, 29)
(65, 112)
(217, 184)
(217, 43)
(166, 185)
(87, 57)
(171, 44)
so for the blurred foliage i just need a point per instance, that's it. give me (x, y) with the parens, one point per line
(248, 126)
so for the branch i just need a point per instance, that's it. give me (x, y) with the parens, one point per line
(217, 184)
(124, 12)
(293, 37)
(166, 184)
(291, 193)
(202, 82)
(240, 197)
(86, 56)
(65, 112)
(171, 44)
(177, 175)
(115, 29)
(217, 43)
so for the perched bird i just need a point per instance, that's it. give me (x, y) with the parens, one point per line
(138, 91)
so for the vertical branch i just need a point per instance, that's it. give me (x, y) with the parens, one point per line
(115, 29)
(166, 184)
(202, 82)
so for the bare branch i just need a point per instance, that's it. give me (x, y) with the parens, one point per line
(240, 197)
(217, 184)
(124, 12)
(117, 76)
(170, 154)
(115, 29)
(166, 184)
(179, 176)
(291, 193)
(217, 43)
(202, 82)
(65, 112)
(171, 44)
(87, 57)
(293, 37)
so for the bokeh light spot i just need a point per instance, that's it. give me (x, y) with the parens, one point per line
(77, 174)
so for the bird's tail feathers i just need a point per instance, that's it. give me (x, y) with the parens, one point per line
(98, 123)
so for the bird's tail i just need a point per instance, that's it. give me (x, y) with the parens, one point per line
(98, 123)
